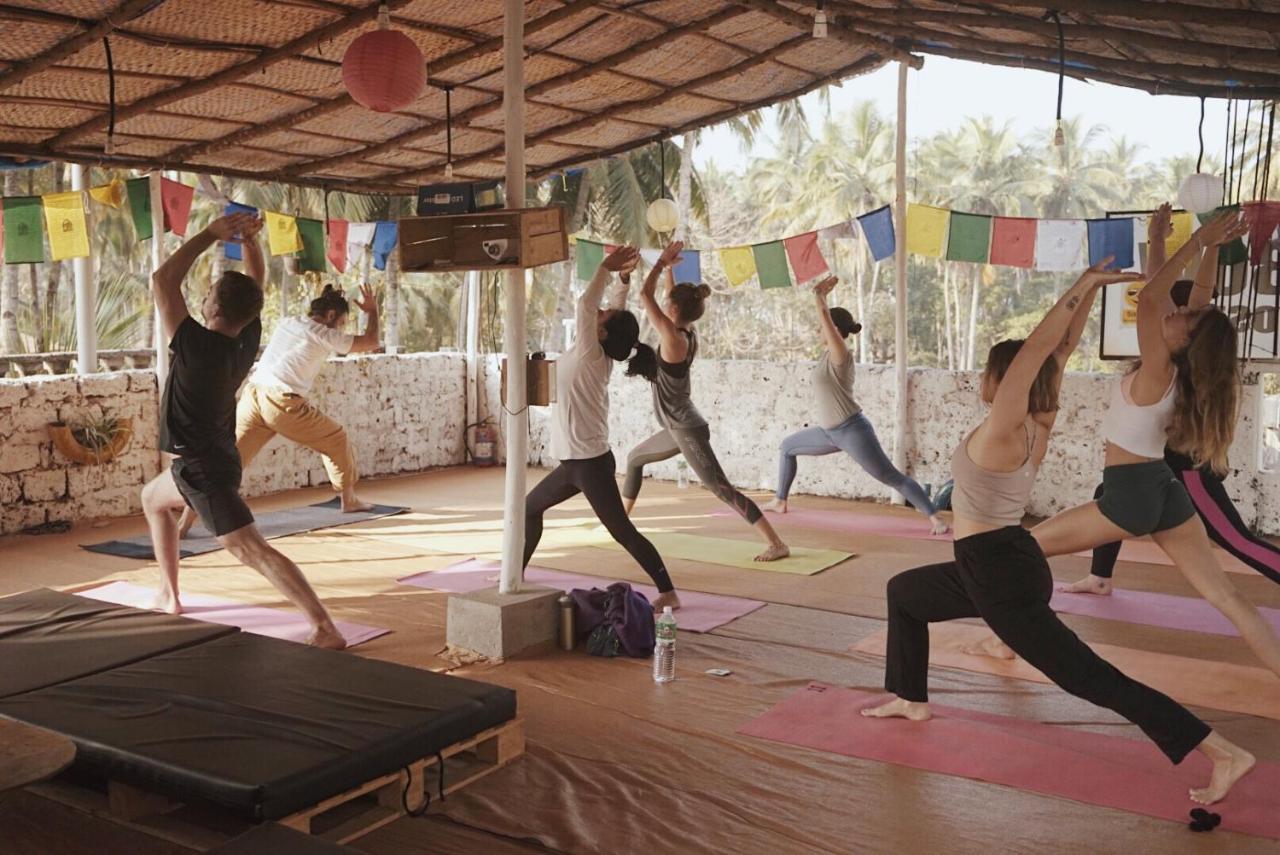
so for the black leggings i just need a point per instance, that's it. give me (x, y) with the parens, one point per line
(1002, 577)
(1221, 520)
(695, 445)
(594, 478)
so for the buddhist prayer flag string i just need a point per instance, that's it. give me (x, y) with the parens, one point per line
(337, 245)
(23, 233)
(927, 230)
(233, 249)
(68, 231)
(282, 234)
(806, 258)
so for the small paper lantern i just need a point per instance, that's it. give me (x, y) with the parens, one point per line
(1200, 192)
(384, 70)
(663, 216)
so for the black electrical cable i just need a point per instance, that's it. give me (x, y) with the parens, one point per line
(1200, 132)
(448, 127)
(1052, 15)
(111, 95)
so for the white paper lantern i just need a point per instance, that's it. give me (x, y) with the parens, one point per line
(663, 216)
(1200, 192)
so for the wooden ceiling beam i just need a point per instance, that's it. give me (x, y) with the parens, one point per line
(1216, 17)
(122, 12)
(853, 38)
(466, 116)
(357, 18)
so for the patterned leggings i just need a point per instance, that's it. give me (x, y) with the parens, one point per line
(695, 445)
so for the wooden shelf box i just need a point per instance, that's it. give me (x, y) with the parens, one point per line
(492, 240)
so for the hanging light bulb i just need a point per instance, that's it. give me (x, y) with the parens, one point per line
(1201, 192)
(820, 22)
(1059, 139)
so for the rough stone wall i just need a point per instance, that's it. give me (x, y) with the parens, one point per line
(403, 414)
(752, 406)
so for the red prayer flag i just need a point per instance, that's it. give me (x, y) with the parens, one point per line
(806, 259)
(176, 198)
(1013, 241)
(609, 249)
(1263, 218)
(337, 253)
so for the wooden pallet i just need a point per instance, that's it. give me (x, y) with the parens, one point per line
(339, 819)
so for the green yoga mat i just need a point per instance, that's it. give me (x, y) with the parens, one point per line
(803, 561)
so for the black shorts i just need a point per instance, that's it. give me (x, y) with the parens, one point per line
(211, 487)
(1144, 498)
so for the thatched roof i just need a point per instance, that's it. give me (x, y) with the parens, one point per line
(254, 88)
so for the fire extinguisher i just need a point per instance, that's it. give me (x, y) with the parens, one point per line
(485, 443)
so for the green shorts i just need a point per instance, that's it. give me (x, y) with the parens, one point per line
(1143, 498)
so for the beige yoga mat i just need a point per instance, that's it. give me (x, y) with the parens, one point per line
(484, 540)
(1195, 682)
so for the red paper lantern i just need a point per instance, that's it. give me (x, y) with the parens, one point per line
(384, 70)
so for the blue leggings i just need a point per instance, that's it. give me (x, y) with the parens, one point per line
(857, 438)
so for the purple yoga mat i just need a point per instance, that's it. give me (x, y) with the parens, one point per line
(274, 623)
(698, 612)
(852, 522)
(1108, 771)
(1189, 613)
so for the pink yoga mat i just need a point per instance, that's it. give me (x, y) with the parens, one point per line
(1146, 552)
(886, 525)
(1190, 613)
(698, 612)
(274, 623)
(1092, 768)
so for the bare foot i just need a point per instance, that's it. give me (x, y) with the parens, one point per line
(898, 708)
(1230, 764)
(990, 646)
(939, 525)
(328, 638)
(777, 506)
(774, 552)
(667, 599)
(167, 601)
(1090, 585)
(355, 505)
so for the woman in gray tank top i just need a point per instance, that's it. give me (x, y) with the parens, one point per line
(683, 429)
(1000, 573)
(842, 426)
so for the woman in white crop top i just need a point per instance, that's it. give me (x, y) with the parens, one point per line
(1186, 385)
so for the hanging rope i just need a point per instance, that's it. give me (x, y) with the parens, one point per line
(1200, 132)
(111, 99)
(1226, 153)
(1266, 161)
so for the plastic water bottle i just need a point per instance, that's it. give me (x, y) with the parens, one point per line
(682, 474)
(664, 652)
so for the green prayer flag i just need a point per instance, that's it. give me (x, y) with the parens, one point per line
(139, 192)
(1229, 253)
(313, 245)
(590, 255)
(23, 230)
(771, 265)
(970, 238)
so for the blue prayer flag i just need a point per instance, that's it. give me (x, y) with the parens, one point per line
(690, 267)
(877, 228)
(233, 250)
(384, 241)
(1112, 237)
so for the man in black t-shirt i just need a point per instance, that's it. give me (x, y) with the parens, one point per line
(198, 420)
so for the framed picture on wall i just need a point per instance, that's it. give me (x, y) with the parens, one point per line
(1247, 293)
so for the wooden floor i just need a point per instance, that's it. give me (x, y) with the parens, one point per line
(616, 764)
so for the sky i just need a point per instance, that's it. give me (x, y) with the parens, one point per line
(946, 91)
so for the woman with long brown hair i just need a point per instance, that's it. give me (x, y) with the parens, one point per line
(1184, 393)
(1001, 575)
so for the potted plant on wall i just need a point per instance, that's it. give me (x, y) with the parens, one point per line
(92, 440)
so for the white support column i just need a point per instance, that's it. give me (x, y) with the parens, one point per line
(158, 256)
(471, 344)
(514, 321)
(900, 279)
(86, 289)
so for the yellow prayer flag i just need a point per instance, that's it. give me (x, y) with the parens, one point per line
(109, 194)
(927, 228)
(64, 219)
(1183, 225)
(282, 234)
(739, 264)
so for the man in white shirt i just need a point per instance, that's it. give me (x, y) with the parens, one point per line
(274, 401)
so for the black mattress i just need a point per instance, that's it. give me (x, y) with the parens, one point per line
(259, 726)
(47, 638)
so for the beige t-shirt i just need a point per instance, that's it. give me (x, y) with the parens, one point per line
(580, 417)
(834, 387)
(297, 352)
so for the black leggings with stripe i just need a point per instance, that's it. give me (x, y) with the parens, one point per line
(1221, 520)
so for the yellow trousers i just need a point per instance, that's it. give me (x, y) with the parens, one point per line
(264, 412)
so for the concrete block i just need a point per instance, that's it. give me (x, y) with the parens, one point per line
(499, 626)
(19, 458)
(44, 486)
(11, 392)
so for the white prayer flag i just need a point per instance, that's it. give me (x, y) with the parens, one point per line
(1060, 245)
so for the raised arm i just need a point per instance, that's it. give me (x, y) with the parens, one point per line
(1075, 331)
(166, 282)
(622, 260)
(675, 347)
(1155, 301)
(1009, 407)
(254, 263)
(830, 335)
(1159, 229)
(367, 302)
(1207, 274)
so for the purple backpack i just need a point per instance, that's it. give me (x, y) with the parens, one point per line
(615, 620)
